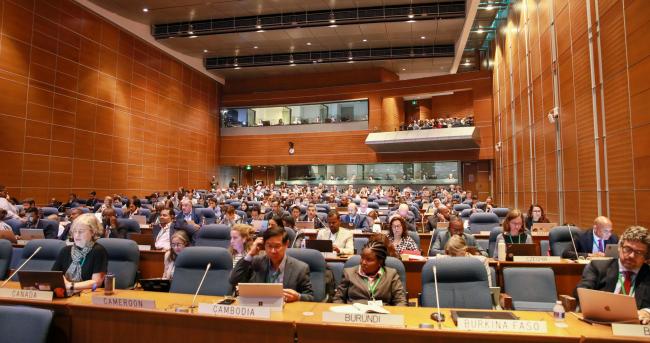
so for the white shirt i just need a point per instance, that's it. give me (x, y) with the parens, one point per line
(163, 239)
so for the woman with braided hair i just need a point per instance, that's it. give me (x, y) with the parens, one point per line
(371, 279)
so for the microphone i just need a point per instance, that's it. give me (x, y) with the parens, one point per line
(21, 266)
(207, 268)
(578, 257)
(438, 317)
(321, 222)
(298, 234)
(433, 238)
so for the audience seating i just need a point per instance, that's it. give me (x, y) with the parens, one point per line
(44, 259)
(6, 251)
(25, 324)
(492, 241)
(207, 215)
(337, 271)
(560, 239)
(531, 289)
(391, 262)
(15, 224)
(461, 207)
(501, 212)
(462, 283)
(190, 265)
(482, 222)
(50, 227)
(317, 267)
(123, 260)
(46, 211)
(359, 242)
(214, 235)
(414, 235)
(131, 225)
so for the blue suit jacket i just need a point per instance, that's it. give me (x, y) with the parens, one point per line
(585, 244)
(360, 221)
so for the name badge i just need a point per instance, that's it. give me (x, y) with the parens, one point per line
(144, 247)
(364, 319)
(235, 311)
(377, 303)
(631, 330)
(536, 259)
(500, 325)
(26, 294)
(123, 302)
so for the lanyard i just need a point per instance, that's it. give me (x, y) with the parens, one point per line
(275, 276)
(518, 239)
(622, 282)
(373, 288)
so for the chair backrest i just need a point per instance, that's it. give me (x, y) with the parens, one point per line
(190, 265)
(492, 241)
(291, 233)
(241, 214)
(482, 222)
(214, 235)
(46, 211)
(145, 212)
(118, 211)
(531, 289)
(416, 238)
(382, 202)
(15, 224)
(501, 212)
(25, 324)
(85, 210)
(391, 262)
(5, 257)
(544, 247)
(461, 207)
(317, 267)
(462, 283)
(235, 204)
(464, 214)
(560, 239)
(359, 242)
(123, 260)
(373, 205)
(50, 227)
(44, 259)
(337, 271)
(131, 225)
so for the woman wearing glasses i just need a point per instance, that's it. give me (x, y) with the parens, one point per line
(179, 242)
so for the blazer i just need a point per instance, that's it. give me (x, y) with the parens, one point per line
(585, 244)
(360, 221)
(317, 224)
(354, 289)
(442, 238)
(271, 214)
(296, 274)
(344, 239)
(602, 275)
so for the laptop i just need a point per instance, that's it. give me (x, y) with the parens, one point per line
(301, 225)
(155, 284)
(260, 290)
(29, 234)
(542, 229)
(322, 245)
(43, 281)
(442, 225)
(611, 250)
(605, 307)
(260, 225)
(142, 220)
(8, 235)
(520, 250)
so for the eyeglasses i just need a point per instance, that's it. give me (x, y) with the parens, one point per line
(273, 246)
(177, 245)
(627, 250)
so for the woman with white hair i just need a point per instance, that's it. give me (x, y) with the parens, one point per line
(84, 263)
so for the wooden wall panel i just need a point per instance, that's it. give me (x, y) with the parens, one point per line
(615, 149)
(85, 106)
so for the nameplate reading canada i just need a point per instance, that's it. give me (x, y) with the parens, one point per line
(235, 311)
(537, 259)
(631, 330)
(501, 325)
(124, 302)
(364, 318)
(25, 294)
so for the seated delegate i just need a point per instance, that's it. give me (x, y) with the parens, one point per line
(513, 229)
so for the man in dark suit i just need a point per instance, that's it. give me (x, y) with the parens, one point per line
(274, 267)
(276, 211)
(455, 228)
(312, 216)
(112, 228)
(74, 213)
(353, 220)
(629, 274)
(593, 242)
(187, 220)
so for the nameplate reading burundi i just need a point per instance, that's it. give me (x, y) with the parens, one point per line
(631, 330)
(25, 294)
(537, 259)
(364, 318)
(502, 325)
(235, 311)
(123, 302)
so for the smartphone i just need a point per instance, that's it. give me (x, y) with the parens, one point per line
(227, 301)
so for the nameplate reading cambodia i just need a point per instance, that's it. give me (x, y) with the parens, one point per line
(501, 325)
(25, 294)
(235, 311)
(364, 318)
(537, 259)
(631, 330)
(123, 302)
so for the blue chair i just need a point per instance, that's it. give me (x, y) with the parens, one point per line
(461, 207)
(145, 212)
(25, 324)
(190, 265)
(482, 222)
(213, 235)
(492, 241)
(5, 257)
(85, 210)
(291, 233)
(118, 212)
(207, 215)
(337, 271)
(531, 289)
(131, 225)
(544, 248)
(235, 204)
(45, 258)
(15, 224)
(462, 283)
(242, 215)
(359, 242)
(560, 239)
(501, 212)
(382, 202)
(50, 228)
(373, 205)
(123, 260)
(416, 238)
(317, 267)
(464, 214)
(391, 262)
(46, 211)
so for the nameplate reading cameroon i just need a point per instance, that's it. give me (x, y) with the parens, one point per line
(123, 302)
(501, 325)
(537, 259)
(235, 311)
(364, 318)
(26, 294)
(631, 330)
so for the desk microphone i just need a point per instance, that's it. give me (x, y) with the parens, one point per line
(438, 317)
(321, 222)
(298, 234)
(207, 268)
(434, 235)
(578, 257)
(21, 266)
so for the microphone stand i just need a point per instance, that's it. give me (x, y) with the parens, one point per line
(21, 266)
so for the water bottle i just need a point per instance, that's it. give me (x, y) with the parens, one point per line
(109, 284)
(303, 244)
(558, 312)
(501, 250)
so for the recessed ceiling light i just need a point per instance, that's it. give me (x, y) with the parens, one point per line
(489, 8)
(255, 47)
(308, 43)
(365, 40)
(403, 69)
(423, 37)
(145, 10)
(205, 50)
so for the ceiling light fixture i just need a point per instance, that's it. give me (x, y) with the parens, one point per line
(255, 47)
(258, 25)
(403, 69)
(410, 13)
(236, 64)
(479, 30)
(291, 58)
(423, 37)
(332, 20)
(350, 57)
(365, 40)
(192, 36)
(205, 50)
(191, 30)
(145, 10)
(489, 8)
(308, 43)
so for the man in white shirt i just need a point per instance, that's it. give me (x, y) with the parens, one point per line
(342, 239)
(6, 205)
(163, 235)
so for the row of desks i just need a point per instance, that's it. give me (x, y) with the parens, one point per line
(78, 320)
